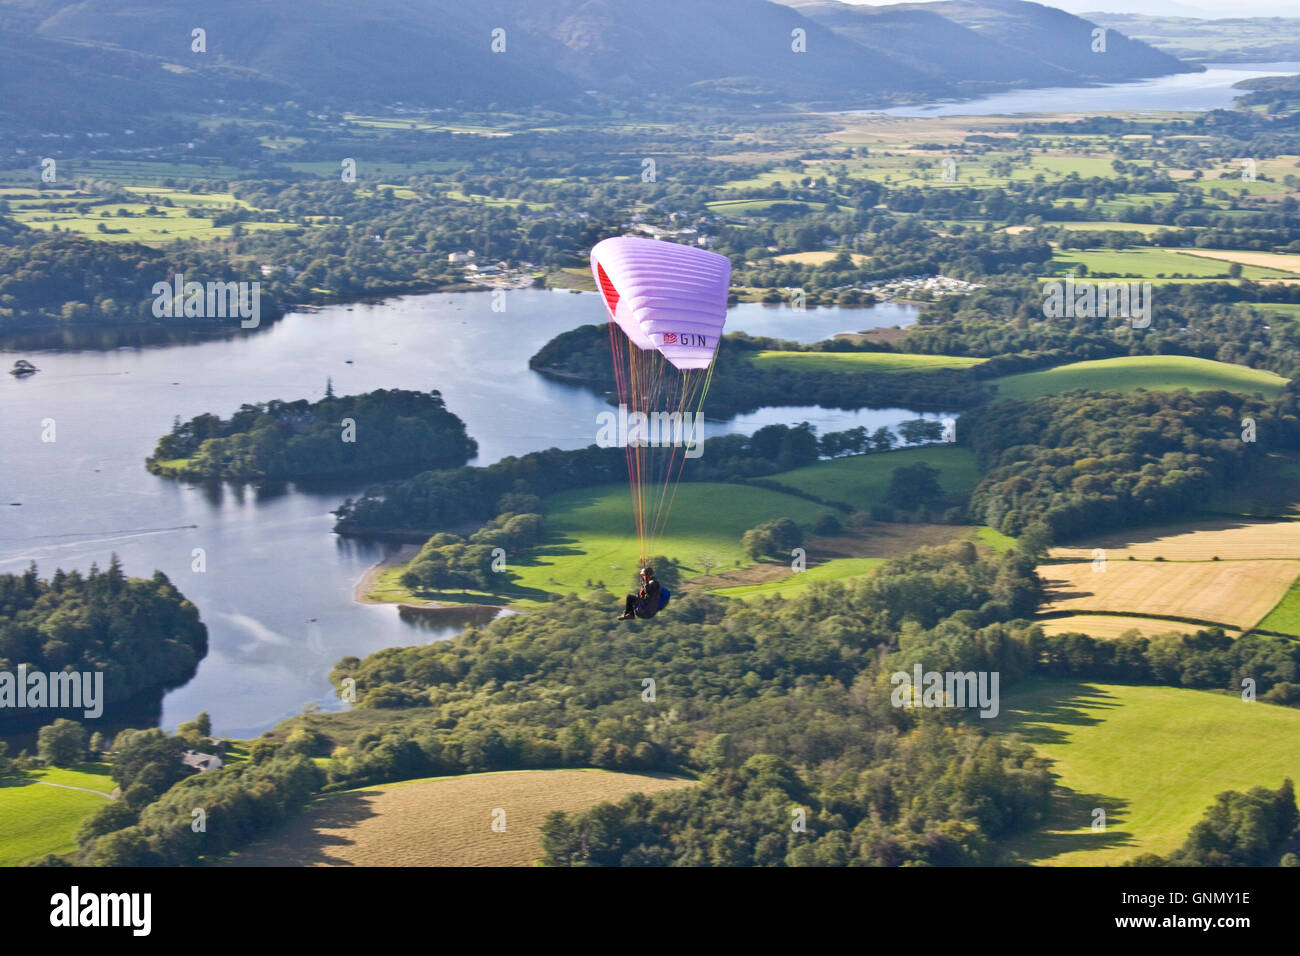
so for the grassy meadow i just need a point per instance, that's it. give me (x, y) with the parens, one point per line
(40, 812)
(860, 362)
(1162, 373)
(591, 539)
(1153, 758)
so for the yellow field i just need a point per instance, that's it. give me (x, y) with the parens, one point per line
(819, 258)
(1107, 626)
(1267, 260)
(444, 821)
(1227, 540)
(1235, 593)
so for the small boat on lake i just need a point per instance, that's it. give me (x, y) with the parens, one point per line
(23, 367)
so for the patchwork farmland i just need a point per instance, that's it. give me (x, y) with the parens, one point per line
(1230, 572)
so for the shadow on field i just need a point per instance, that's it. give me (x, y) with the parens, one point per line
(1067, 828)
(1043, 713)
(304, 840)
(1031, 716)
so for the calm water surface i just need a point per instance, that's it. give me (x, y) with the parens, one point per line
(277, 592)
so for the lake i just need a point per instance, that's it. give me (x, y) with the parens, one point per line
(276, 594)
(1209, 90)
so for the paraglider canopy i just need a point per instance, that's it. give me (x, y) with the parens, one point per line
(667, 304)
(665, 296)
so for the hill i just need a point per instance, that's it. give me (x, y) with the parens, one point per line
(1228, 40)
(1061, 39)
(1164, 373)
(440, 53)
(860, 362)
(1001, 42)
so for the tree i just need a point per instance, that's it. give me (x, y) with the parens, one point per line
(827, 523)
(772, 539)
(62, 743)
(917, 430)
(1242, 829)
(911, 486)
(127, 847)
(114, 815)
(882, 439)
(667, 572)
(148, 756)
(196, 730)
(262, 750)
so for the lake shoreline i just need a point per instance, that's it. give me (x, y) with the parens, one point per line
(428, 610)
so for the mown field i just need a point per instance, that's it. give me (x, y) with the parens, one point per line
(444, 821)
(1164, 373)
(1194, 541)
(860, 362)
(1233, 593)
(819, 258)
(1104, 626)
(37, 818)
(1152, 758)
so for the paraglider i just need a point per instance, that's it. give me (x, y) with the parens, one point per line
(649, 600)
(667, 305)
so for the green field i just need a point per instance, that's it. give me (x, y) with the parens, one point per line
(1163, 373)
(1285, 618)
(1147, 263)
(752, 207)
(861, 481)
(591, 537)
(1290, 309)
(1145, 228)
(837, 569)
(146, 220)
(36, 819)
(1153, 758)
(992, 538)
(860, 361)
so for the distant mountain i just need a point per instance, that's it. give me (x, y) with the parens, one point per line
(1057, 37)
(941, 48)
(64, 86)
(115, 60)
(1235, 40)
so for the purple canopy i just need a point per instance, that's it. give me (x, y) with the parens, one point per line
(665, 296)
